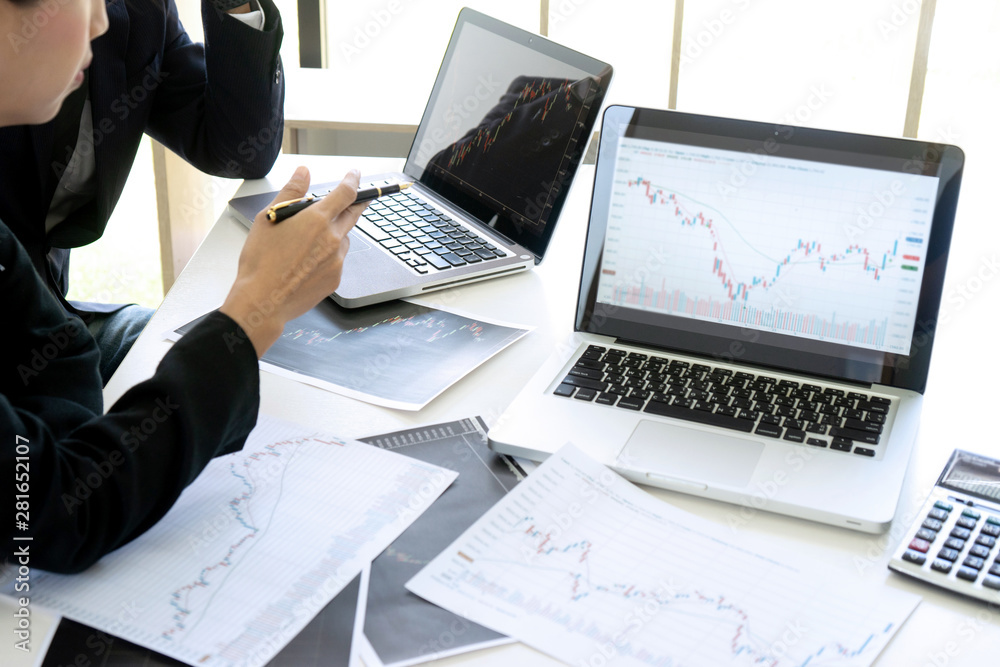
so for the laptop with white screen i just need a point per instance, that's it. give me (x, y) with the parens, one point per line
(505, 128)
(755, 316)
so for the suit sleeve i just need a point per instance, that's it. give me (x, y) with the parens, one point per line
(220, 105)
(96, 481)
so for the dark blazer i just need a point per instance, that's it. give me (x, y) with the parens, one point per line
(95, 481)
(218, 105)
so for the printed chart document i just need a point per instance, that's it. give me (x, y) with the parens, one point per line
(401, 628)
(581, 564)
(397, 354)
(253, 549)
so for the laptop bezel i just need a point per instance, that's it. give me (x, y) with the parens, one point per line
(600, 72)
(770, 350)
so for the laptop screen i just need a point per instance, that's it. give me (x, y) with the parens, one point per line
(806, 250)
(506, 126)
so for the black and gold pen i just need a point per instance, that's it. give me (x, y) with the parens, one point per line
(286, 209)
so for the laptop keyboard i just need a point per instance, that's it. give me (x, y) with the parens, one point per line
(423, 237)
(766, 406)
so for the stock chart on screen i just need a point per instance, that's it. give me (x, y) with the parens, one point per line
(823, 251)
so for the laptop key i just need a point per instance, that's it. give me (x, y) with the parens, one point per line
(698, 416)
(371, 229)
(857, 424)
(592, 373)
(630, 403)
(769, 430)
(436, 261)
(795, 435)
(853, 434)
(841, 445)
(453, 259)
(586, 394)
(564, 390)
(606, 399)
(587, 383)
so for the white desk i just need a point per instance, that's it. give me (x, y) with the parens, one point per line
(944, 630)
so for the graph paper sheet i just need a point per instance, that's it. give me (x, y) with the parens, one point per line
(579, 563)
(253, 549)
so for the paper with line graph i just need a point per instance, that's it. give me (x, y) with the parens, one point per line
(579, 563)
(253, 549)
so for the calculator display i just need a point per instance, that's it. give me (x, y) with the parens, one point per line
(972, 474)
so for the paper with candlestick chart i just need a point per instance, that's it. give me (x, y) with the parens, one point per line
(581, 564)
(398, 354)
(256, 547)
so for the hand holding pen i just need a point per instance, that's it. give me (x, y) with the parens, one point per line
(286, 209)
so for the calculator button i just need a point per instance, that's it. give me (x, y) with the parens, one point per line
(927, 534)
(995, 570)
(992, 582)
(973, 563)
(938, 513)
(961, 533)
(967, 573)
(942, 505)
(986, 541)
(955, 543)
(979, 551)
(948, 554)
(991, 529)
(943, 566)
(914, 557)
(995, 520)
(966, 522)
(972, 514)
(932, 524)
(920, 545)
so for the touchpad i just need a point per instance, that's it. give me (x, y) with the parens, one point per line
(689, 454)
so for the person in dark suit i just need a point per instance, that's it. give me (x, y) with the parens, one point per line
(218, 105)
(79, 482)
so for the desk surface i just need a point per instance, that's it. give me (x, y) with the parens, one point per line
(944, 630)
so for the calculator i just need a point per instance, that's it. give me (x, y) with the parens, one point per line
(953, 543)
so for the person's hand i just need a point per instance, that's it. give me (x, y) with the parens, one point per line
(287, 268)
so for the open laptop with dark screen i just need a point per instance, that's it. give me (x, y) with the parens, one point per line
(756, 314)
(504, 130)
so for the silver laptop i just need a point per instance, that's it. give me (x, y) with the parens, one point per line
(492, 161)
(755, 315)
